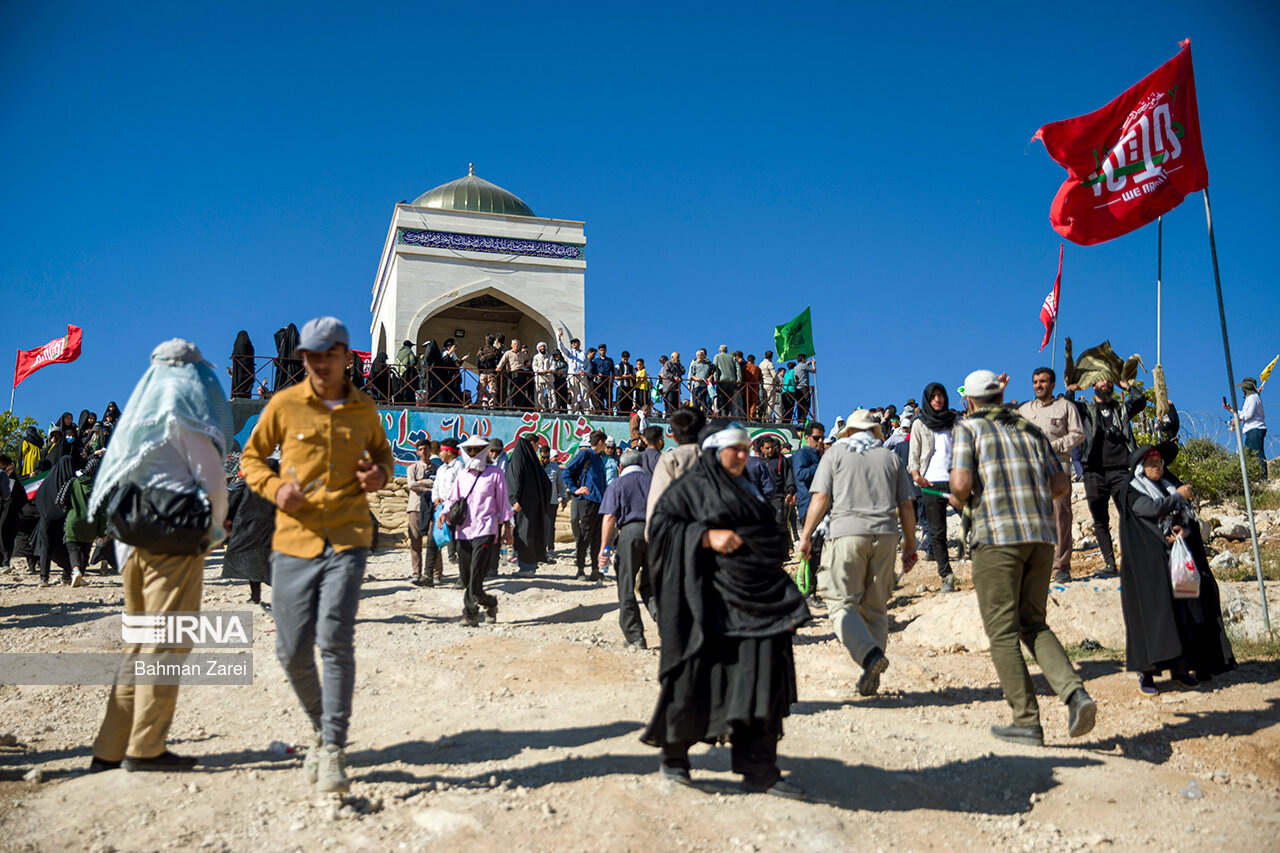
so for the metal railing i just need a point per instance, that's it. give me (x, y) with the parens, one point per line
(527, 390)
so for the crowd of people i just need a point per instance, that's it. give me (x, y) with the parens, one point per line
(559, 378)
(697, 535)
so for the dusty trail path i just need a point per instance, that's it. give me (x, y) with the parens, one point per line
(524, 736)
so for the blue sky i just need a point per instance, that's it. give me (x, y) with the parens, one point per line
(191, 170)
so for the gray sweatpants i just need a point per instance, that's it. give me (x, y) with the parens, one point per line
(314, 603)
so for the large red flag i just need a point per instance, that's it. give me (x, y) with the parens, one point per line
(57, 351)
(1049, 311)
(1131, 161)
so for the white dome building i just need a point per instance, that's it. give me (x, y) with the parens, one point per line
(469, 258)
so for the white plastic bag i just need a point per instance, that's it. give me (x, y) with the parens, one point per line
(1182, 571)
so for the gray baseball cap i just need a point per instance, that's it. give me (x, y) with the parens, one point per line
(322, 333)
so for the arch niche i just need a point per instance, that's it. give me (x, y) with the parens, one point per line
(481, 312)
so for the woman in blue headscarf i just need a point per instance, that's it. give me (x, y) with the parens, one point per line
(173, 436)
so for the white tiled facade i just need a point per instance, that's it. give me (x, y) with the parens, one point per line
(416, 282)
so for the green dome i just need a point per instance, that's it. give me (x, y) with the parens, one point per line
(474, 194)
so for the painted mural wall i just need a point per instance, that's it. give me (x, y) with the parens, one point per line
(563, 434)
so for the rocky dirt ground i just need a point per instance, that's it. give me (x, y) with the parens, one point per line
(523, 735)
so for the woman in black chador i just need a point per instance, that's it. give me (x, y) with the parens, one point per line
(1182, 635)
(253, 523)
(288, 363)
(433, 375)
(726, 613)
(530, 495)
(242, 366)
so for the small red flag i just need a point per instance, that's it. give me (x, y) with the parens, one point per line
(1131, 161)
(1049, 311)
(57, 351)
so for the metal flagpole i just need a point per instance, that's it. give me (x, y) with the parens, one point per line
(1231, 382)
(1159, 276)
(1053, 354)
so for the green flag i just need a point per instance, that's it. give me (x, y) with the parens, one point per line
(794, 338)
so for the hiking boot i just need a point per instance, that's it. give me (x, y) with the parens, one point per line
(869, 683)
(1061, 576)
(162, 763)
(331, 776)
(948, 583)
(781, 788)
(1082, 711)
(77, 578)
(1025, 735)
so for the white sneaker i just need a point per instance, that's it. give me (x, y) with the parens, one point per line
(77, 578)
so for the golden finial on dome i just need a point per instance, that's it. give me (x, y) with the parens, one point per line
(471, 168)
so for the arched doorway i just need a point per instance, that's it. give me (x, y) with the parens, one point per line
(469, 320)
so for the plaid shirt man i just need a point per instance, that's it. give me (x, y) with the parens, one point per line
(1011, 469)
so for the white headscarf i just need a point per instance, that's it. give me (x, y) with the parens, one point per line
(179, 393)
(727, 437)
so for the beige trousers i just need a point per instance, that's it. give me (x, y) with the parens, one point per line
(856, 582)
(138, 717)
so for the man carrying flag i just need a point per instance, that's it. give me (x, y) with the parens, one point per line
(1131, 161)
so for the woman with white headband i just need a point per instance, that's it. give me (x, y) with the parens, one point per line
(726, 613)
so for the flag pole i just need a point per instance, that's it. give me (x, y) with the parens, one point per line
(1053, 353)
(1231, 382)
(1159, 277)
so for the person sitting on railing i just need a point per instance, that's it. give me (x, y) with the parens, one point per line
(544, 367)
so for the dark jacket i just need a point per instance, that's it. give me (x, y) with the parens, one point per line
(1132, 407)
(782, 475)
(804, 464)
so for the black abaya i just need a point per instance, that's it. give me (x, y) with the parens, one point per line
(432, 376)
(48, 542)
(528, 486)
(726, 620)
(253, 523)
(242, 366)
(380, 378)
(288, 363)
(1162, 632)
